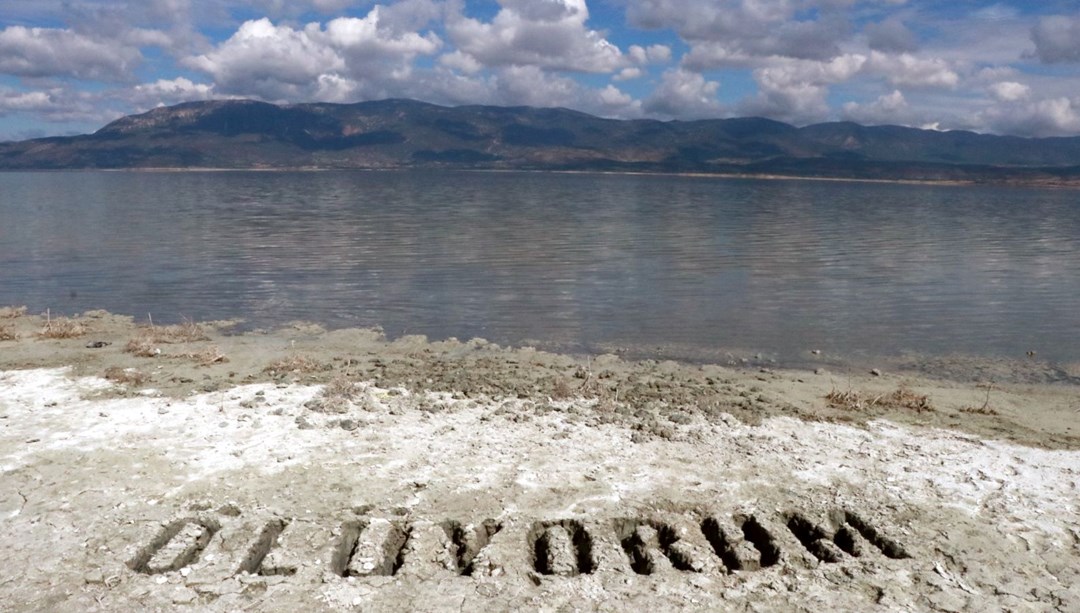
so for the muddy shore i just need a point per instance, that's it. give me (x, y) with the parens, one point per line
(186, 466)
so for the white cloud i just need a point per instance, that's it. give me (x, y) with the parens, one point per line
(548, 34)
(726, 32)
(653, 54)
(462, 62)
(16, 101)
(165, 92)
(891, 108)
(905, 69)
(1010, 91)
(795, 90)
(708, 55)
(684, 94)
(1048, 117)
(47, 52)
(1057, 39)
(57, 105)
(281, 62)
(533, 86)
(273, 62)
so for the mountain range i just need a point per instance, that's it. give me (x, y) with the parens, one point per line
(245, 134)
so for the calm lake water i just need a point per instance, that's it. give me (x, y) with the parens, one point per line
(679, 266)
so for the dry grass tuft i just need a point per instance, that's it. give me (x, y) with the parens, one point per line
(900, 398)
(126, 376)
(209, 355)
(904, 398)
(849, 399)
(296, 364)
(185, 332)
(142, 347)
(145, 344)
(7, 333)
(336, 396)
(12, 312)
(61, 327)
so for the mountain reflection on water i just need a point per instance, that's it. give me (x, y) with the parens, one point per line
(690, 265)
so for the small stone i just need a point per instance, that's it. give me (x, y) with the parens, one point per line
(815, 351)
(820, 371)
(875, 372)
(304, 424)
(348, 425)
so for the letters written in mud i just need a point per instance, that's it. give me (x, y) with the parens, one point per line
(369, 547)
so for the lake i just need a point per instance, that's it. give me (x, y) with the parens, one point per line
(675, 266)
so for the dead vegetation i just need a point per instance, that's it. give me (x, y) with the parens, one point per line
(12, 312)
(295, 364)
(900, 398)
(7, 333)
(61, 328)
(142, 347)
(126, 376)
(985, 408)
(335, 397)
(186, 331)
(208, 355)
(146, 342)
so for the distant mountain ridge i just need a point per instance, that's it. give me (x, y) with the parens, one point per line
(398, 133)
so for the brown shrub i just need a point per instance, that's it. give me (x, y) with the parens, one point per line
(850, 400)
(296, 364)
(61, 327)
(335, 396)
(904, 398)
(7, 333)
(209, 355)
(142, 347)
(12, 312)
(126, 376)
(185, 332)
(900, 398)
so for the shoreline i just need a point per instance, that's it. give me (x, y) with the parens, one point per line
(179, 359)
(696, 175)
(185, 468)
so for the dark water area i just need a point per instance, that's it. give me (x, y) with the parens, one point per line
(679, 266)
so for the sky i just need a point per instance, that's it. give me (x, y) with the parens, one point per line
(1008, 67)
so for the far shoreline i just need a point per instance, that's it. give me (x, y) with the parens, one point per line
(630, 173)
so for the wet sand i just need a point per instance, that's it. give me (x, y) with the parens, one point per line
(187, 467)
